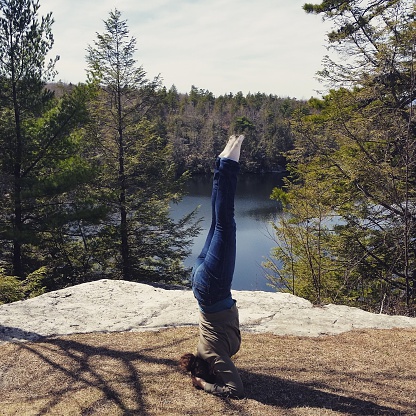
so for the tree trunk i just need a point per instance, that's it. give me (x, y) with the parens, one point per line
(17, 220)
(125, 252)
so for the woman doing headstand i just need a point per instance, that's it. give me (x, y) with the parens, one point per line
(219, 335)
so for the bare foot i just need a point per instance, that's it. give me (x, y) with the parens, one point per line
(227, 147)
(233, 148)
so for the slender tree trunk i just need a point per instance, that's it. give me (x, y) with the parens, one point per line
(123, 221)
(17, 220)
(409, 152)
(125, 252)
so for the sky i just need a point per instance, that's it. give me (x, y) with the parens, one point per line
(223, 46)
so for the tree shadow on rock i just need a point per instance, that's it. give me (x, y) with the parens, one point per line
(11, 334)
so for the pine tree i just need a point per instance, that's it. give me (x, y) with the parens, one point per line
(141, 242)
(361, 138)
(39, 135)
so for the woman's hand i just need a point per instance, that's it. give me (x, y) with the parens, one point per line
(198, 382)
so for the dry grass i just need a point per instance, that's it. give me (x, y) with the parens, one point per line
(358, 373)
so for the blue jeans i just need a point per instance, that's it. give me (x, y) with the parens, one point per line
(213, 272)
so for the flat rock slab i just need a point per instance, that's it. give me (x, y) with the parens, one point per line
(117, 305)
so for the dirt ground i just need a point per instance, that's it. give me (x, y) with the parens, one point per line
(371, 372)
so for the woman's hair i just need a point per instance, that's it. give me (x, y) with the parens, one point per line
(197, 367)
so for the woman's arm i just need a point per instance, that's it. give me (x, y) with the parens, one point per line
(199, 382)
(228, 381)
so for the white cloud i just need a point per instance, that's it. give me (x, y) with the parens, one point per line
(223, 46)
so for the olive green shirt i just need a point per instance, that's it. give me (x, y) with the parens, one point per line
(219, 340)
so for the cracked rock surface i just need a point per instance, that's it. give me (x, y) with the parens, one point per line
(117, 305)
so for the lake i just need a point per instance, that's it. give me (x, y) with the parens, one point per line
(254, 211)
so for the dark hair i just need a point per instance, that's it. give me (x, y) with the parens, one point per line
(197, 367)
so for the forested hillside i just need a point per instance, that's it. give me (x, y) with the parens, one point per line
(197, 124)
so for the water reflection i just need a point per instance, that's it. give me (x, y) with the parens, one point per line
(253, 211)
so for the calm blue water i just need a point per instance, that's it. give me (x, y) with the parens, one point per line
(253, 213)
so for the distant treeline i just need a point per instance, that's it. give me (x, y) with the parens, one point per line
(197, 125)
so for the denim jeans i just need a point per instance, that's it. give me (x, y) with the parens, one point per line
(213, 272)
